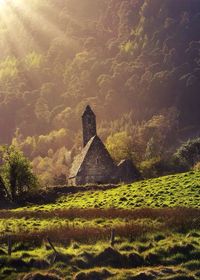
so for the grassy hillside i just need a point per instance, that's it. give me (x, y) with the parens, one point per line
(156, 242)
(169, 191)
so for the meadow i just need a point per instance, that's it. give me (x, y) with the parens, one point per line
(156, 224)
(169, 191)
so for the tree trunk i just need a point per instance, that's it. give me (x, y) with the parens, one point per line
(13, 181)
(3, 188)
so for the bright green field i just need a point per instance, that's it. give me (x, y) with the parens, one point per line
(168, 191)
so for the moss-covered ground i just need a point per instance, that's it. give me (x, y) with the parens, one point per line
(153, 256)
(156, 223)
(168, 191)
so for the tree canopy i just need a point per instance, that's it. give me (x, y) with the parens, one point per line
(128, 59)
(16, 176)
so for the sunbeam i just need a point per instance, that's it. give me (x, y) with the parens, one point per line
(2, 2)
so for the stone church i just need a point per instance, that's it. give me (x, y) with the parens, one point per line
(94, 165)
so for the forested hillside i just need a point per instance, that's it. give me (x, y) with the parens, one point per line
(136, 62)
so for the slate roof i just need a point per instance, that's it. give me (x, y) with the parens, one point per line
(126, 165)
(88, 111)
(80, 159)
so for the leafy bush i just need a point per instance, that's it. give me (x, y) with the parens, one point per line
(15, 173)
(157, 166)
(196, 167)
(189, 152)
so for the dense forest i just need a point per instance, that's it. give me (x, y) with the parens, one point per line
(136, 62)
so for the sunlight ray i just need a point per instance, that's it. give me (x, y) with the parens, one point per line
(12, 39)
(11, 14)
(52, 28)
(13, 10)
(20, 11)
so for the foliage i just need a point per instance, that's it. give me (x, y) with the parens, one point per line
(161, 165)
(49, 153)
(15, 172)
(120, 146)
(196, 167)
(136, 62)
(149, 168)
(189, 152)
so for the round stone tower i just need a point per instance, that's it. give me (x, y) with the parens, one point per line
(89, 125)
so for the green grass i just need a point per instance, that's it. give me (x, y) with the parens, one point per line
(153, 219)
(173, 255)
(182, 190)
(15, 225)
(169, 191)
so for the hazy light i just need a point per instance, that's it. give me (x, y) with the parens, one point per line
(2, 2)
(10, 2)
(20, 12)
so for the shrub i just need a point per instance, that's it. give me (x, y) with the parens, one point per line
(149, 167)
(158, 166)
(196, 167)
(189, 152)
(15, 172)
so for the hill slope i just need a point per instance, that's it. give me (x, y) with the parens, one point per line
(181, 190)
(150, 243)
